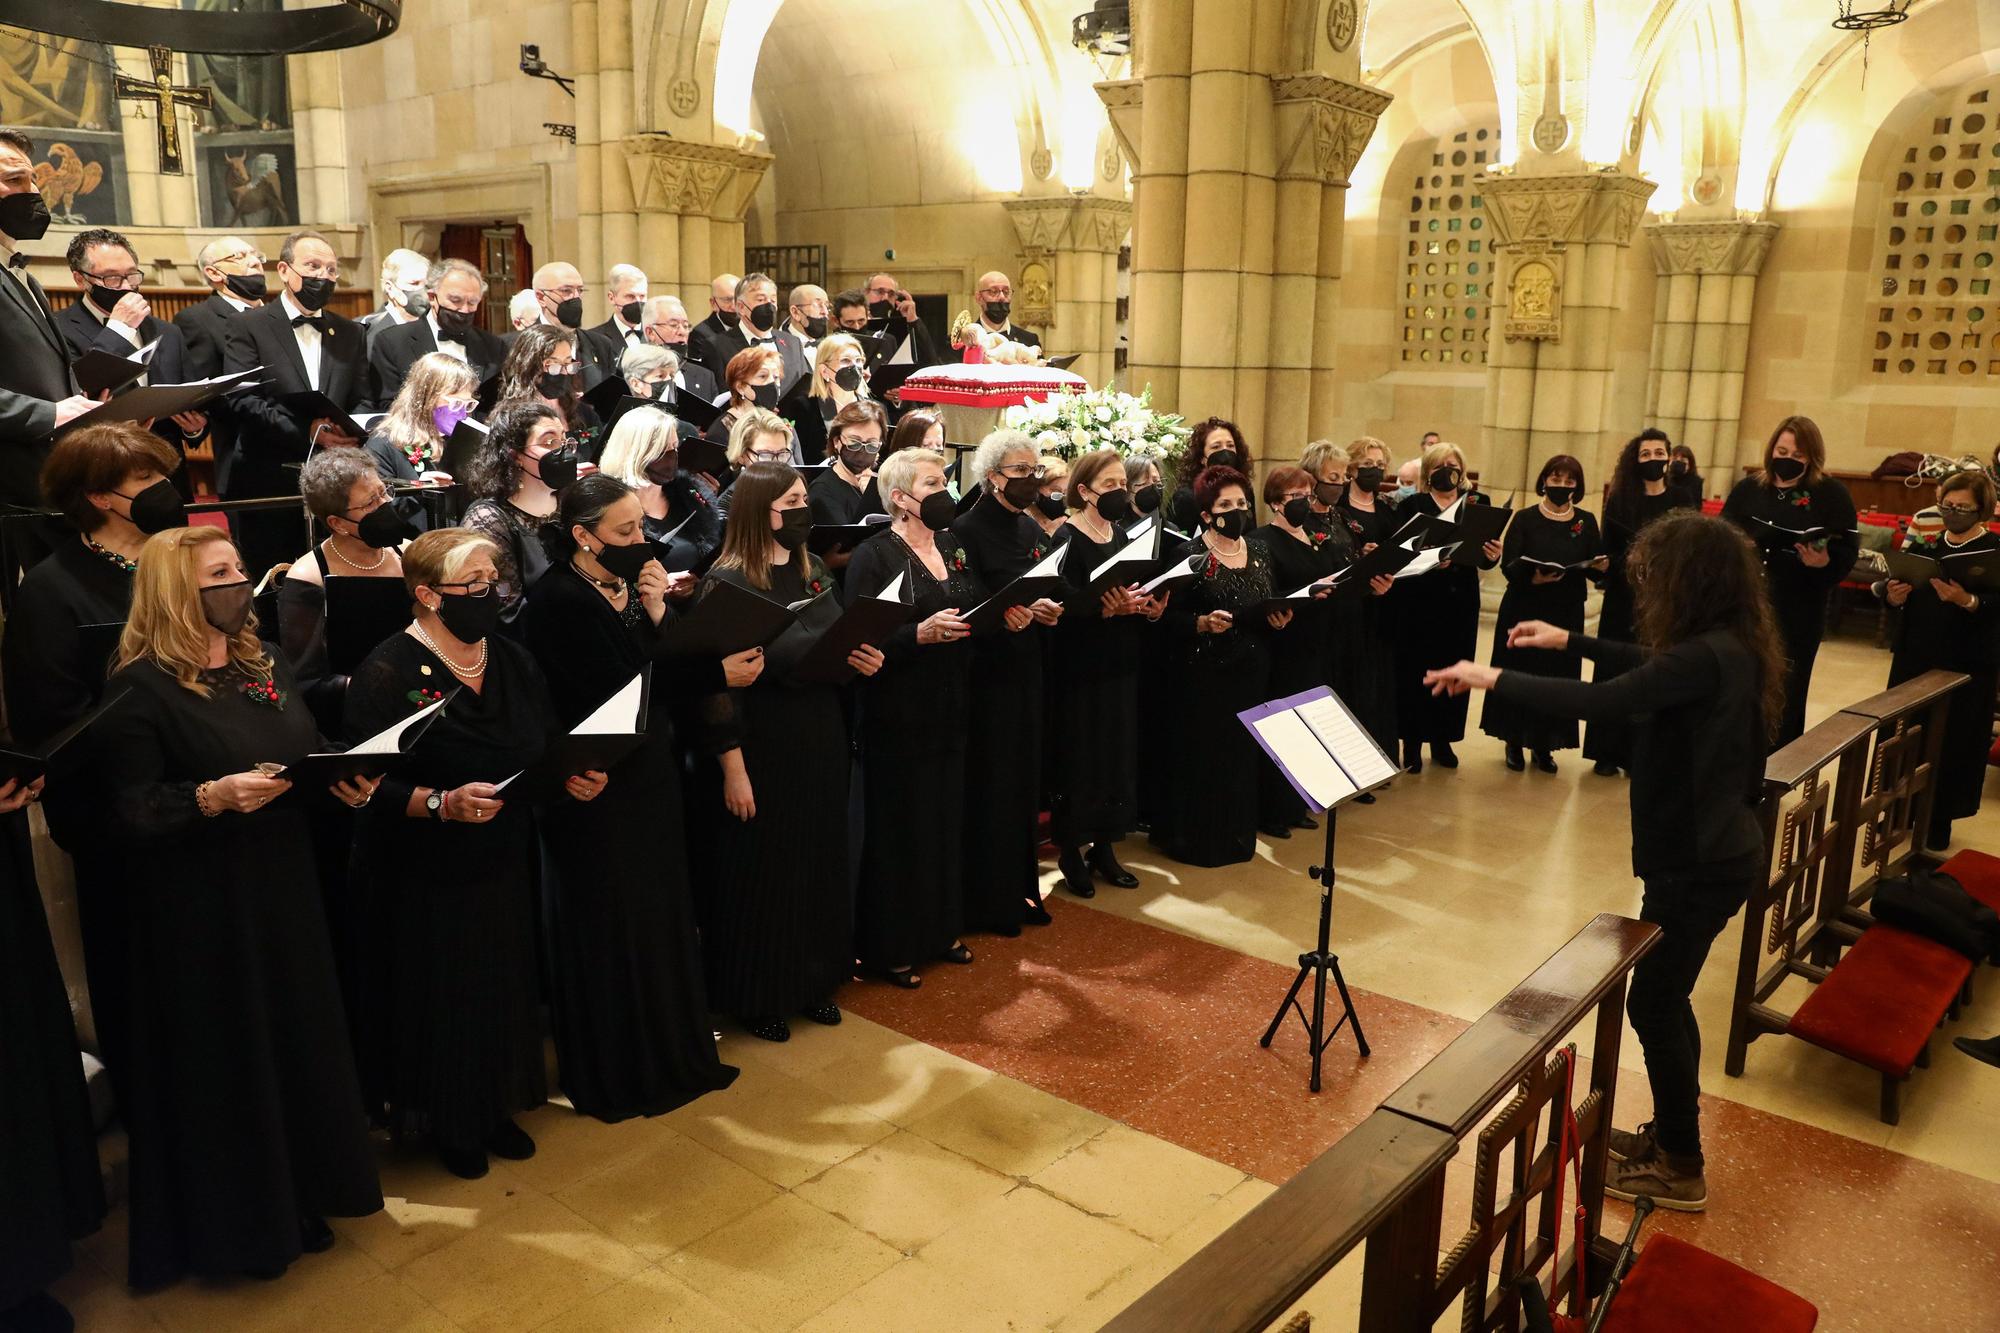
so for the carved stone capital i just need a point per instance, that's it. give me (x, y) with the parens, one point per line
(1079, 222)
(679, 176)
(1323, 125)
(1735, 248)
(1124, 100)
(1574, 207)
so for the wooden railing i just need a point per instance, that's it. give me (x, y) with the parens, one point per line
(1381, 1188)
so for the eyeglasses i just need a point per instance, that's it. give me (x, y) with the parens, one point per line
(868, 448)
(563, 293)
(313, 269)
(1957, 509)
(480, 588)
(561, 367)
(1021, 470)
(127, 281)
(770, 456)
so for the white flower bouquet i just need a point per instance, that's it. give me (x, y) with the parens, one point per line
(1071, 424)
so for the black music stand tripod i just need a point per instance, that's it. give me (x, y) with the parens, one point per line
(1319, 964)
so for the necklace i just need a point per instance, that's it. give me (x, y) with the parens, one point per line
(107, 553)
(472, 672)
(1560, 516)
(614, 587)
(351, 562)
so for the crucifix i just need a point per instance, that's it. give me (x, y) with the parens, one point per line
(160, 91)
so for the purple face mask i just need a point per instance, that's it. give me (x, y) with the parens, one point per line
(446, 418)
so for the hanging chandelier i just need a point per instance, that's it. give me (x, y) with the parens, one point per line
(1866, 21)
(291, 31)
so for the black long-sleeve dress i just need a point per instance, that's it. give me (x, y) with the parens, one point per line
(452, 1034)
(631, 1010)
(1935, 635)
(244, 1110)
(912, 726)
(773, 892)
(1003, 766)
(1798, 591)
(1567, 541)
(1092, 698)
(1362, 650)
(1609, 740)
(1209, 815)
(1437, 624)
(692, 528)
(1299, 654)
(48, 1150)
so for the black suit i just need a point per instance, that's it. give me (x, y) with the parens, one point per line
(723, 348)
(169, 364)
(704, 334)
(923, 348)
(612, 342)
(201, 329)
(696, 382)
(34, 377)
(272, 435)
(392, 352)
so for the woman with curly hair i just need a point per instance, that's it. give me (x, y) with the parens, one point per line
(1213, 443)
(512, 482)
(542, 366)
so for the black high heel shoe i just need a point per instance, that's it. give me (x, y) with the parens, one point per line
(903, 978)
(1413, 757)
(1604, 768)
(1036, 914)
(1515, 763)
(1443, 755)
(1076, 875)
(1544, 762)
(1274, 829)
(1104, 861)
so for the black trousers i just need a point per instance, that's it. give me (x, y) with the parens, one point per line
(1690, 907)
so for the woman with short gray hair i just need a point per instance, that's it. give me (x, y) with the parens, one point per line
(647, 370)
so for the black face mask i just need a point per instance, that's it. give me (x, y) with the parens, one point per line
(557, 469)
(246, 286)
(25, 217)
(794, 526)
(848, 379)
(631, 311)
(626, 560)
(454, 323)
(157, 508)
(1679, 468)
(815, 327)
(856, 461)
(937, 510)
(385, 526)
(1444, 479)
(467, 618)
(1957, 524)
(1220, 458)
(1788, 470)
(313, 293)
(1368, 477)
(1147, 499)
(764, 318)
(1327, 492)
(1020, 492)
(105, 298)
(226, 606)
(664, 468)
(1113, 506)
(1298, 512)
(765, 396)
(1560, 495)
(1052, 506)
(569, 313)
(997, 311)
(554, 387)
(1231, 524)
(1652, 469)
(876, 309)
(416, 303)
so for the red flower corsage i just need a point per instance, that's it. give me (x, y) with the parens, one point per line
(264, 692)
(1576, 528)
(1315, 538)
(420, 455)
(958, 558)
(422, 697)
(815, 587)
(1037, 553)
(1801, 499)
(1208, 570)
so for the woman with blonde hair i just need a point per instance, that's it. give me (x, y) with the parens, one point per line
(235, 1001)
(407, 444)
(451, 1032)
(681, 517)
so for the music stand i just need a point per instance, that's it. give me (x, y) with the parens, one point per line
(1329, 759)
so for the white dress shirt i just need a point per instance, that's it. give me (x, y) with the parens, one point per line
(308, 338)
(123, 330)
(449, 346)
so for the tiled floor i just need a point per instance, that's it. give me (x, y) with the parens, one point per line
(1031, 1142)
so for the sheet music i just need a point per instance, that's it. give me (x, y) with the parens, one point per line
(1450, 512)
(1129, 552)
(1306, 758)
(1140, 529)
(892, 591)
(1425, 562)
(144, 355)
(1359, 757)
(618, 715)
(1048, 567)
(390, 739)
(1180, 569)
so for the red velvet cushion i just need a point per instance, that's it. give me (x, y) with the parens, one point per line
(1881, 1002)
(1675, 1287)
(1978, 872)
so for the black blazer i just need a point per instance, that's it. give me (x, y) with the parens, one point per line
(695, 379)
(721, 349)
(270, 434)
(169, 365)
(34, 377)
(392, 352)
(611, 343)
(882, 344)
(201, 329)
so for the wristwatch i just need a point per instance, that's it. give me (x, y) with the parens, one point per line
(435, 804)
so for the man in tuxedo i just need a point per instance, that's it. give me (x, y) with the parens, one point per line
(234, 271)
(666, 325)
(37, 392)
(301, 347)
(111, 316)
(756, 326)
(808, 318)
(721, 315)
(456, 290)
(559, 290)
(625, 293)
(405, 300)
(995, 294)
(902, 339)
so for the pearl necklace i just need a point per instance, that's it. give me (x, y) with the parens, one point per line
(472, 672)
(351, 562)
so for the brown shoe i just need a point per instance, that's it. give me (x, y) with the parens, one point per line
(1673, 1183)
(1624, 1145)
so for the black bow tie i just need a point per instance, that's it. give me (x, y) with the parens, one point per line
(315, 322)
(17, 260)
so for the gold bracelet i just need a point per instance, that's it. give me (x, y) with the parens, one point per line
(201, 801)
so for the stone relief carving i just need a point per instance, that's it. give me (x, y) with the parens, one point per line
(1325, 124)
(1534, 294)
(1736, 248)
(678, 176)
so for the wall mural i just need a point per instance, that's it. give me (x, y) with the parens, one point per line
(246, 158)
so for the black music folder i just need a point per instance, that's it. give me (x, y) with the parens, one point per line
(24, 766)
(157, 400)
(614, 730)
(826, 537)
(311, 405)
(372, 758)
(866, 620)
(725, 620)
(1043, 580)
(98, 371)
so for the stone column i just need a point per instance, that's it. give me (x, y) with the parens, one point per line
(691, 197)
(1701, 332)
(1558, 239)
(591, 152)
(1069, 277)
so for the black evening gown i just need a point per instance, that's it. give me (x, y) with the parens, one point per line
(1003, 766)
(49, 1185)
(1299, 654)
(773, 893)
(1362, 665)
(452, 1034)
(1798, 591)
(1533, 533)
(912, 724)
(55, 672)
(524, 555)
(244, 1112)
(1209, 814)
(1092, 700)
(1609, 741)
(1437, 625)
(631, 1011)
(1934, 635)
